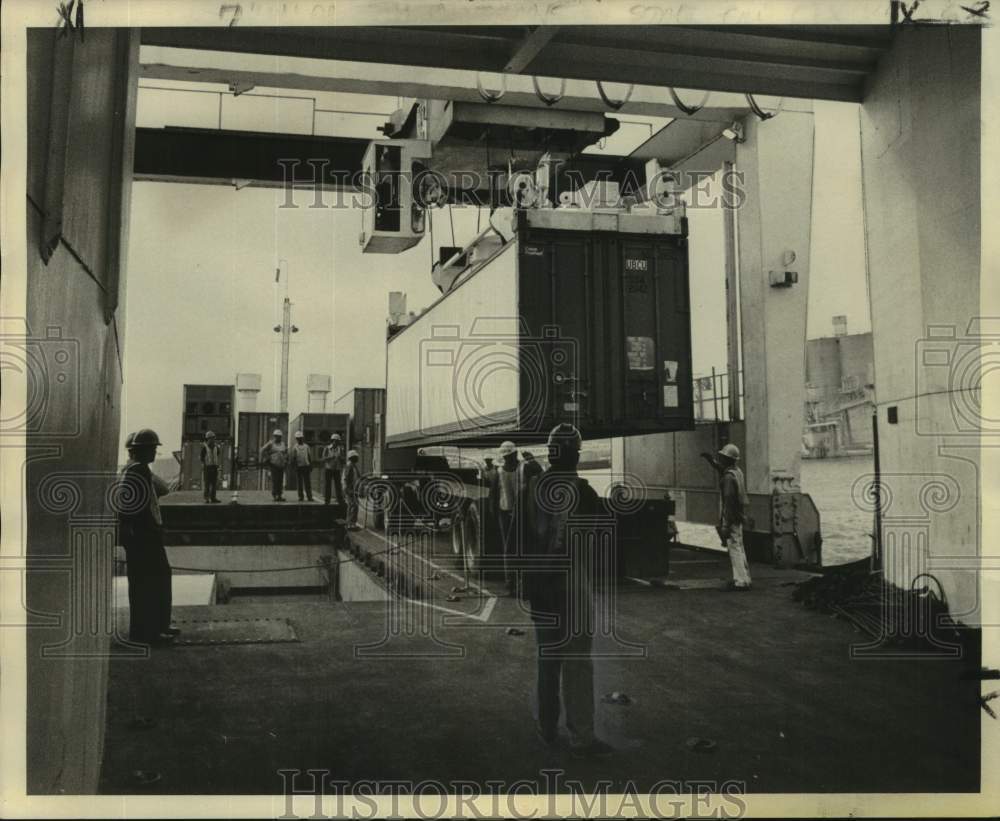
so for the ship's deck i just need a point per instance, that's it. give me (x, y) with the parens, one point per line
(772, 684)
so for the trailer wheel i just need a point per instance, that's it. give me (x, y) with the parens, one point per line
(457, 533)
(472, 538)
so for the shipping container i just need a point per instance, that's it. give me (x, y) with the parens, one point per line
(317, 428)
(191, 474)
(208, 408)
(366, 433)
(580, 317)
(253, 431)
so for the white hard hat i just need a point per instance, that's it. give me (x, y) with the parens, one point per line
(209, 434)
(335, 437)
(507, 448)
(298, 434)
(353, 454)
(731, 451)
(277, 433)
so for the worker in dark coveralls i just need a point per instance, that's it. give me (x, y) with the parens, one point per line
(211, 461)
(733, 513)
(558, 584)
(140, 532)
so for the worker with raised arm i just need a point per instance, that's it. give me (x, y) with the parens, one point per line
(734, 512)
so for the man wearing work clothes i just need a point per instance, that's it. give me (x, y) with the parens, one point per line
(333, 464)
(302, 462)
(275, 455)
(506, 495)
(352, 475)
(733, 513)
(140, 532)
(559, 580)
(211, 461)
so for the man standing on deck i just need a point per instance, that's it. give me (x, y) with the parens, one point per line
(559, 587)
(275, 454)
(333, 464)
(733, 513)
(302, 462)
(506, 495)
(352, 475)
(211, 461)
(140, 532)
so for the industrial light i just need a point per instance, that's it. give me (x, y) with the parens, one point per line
(734, 133)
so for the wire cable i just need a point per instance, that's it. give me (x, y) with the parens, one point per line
(614, 105)
(487, 95)
(689, 110)
(549, 100)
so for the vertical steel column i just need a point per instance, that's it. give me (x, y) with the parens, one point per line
(732, 303)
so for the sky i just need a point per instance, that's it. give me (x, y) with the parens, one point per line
(201, 297)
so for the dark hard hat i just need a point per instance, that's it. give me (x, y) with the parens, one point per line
(562, 437)
(145, 437)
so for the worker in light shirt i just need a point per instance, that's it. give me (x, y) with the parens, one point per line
(302, 462)
(211, 461)
(505, 495)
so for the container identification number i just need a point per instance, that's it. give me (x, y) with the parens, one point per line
(636, 265)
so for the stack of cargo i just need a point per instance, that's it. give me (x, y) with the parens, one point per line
(366, 433)
(317, 429)
(206, 408)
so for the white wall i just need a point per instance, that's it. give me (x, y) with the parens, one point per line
(920, 159)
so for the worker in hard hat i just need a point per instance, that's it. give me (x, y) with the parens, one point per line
(301, 460)
(140, 532)
(211, 462)
(529, 467)
(160, 486)
(351, 479)
(559, 581)
(505, 497)
(333, 465)
(274, 454)
(734, 504)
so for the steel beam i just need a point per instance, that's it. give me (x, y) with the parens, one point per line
(242, 159)
(389, 80)
(529, 48)
(772, 63)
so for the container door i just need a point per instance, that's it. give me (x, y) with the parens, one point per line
(674, 363)
(554, 299)
(640, 300)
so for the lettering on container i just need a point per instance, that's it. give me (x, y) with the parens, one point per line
(640, 352)
(670, 371)
(636, 264)
(532, 251)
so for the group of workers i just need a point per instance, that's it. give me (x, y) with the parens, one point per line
(340, 475)
(538, 513)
